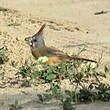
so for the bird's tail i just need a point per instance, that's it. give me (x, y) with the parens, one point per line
(83, 59)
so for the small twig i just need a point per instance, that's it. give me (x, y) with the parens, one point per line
(97, 78)
(76, 94)
(101, 12)
(100, 58)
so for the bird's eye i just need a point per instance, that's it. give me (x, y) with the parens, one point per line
(35, 40)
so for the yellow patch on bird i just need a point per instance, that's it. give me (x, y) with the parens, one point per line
(55, 60)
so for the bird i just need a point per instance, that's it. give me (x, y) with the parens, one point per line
(55, 56)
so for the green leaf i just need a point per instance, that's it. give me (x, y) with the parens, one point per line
(33, 64)
(67, 105)
(36, 74)
(16, 102)
(3, 56)
(51, 76)
(47, 97)
(14, 64)
(101, 74)
(67, 92)
(40, 97)
(88, 65)
(80, 75)
(2, 74)
(13, 24)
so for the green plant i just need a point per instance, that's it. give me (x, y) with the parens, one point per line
(44, 97)
(25, 71)
(2, 75)
(85, 95)
(49, 74)
(14, 24)
(78, 72)
(103, 92)
(14, 64)
(15, 106)
(55, 92)
(70, 95)
(3, 56)
(67, 105)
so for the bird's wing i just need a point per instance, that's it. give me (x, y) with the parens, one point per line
(55, 52)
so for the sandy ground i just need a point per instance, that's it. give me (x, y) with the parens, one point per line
(70, 26)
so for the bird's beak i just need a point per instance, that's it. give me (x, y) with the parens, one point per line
(28, 40)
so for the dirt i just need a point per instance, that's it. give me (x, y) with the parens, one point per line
(70, 26)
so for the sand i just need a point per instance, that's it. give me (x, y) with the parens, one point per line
(71, 25)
